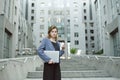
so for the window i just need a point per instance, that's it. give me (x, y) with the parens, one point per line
(41, 19)
(41, 12)
(104, 8)
(105, 23)
(86, 31)
(58, 12)
(18, 28)
(92, 38)
(91, 24)
(117, 4)
(32, 4)
(14, 24)
(76, 11)
(86, 45)
(85, 24)
(92, 45)
(68, 12)
(75, 19)
(86, 38)
(41, 26)
(41, 34)
(75, 4)
(32, 11)
(68, 20)
(96, 5)
(32, 17)
(15, 10)
(85, 17)
(76, 34)
(92, 31)
(49, 12)
(84, 10)
(86, 51)
(76, 25)
(42, 4)
(84, 4)
(76, 42)
(31, 24)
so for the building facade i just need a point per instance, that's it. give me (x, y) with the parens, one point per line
(67, 18)
(108, 16)
(91, 31)
(7, 29)
(31, 16)
(14, 27)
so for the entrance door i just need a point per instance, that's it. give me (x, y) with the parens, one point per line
(6, 44)
(116, 44)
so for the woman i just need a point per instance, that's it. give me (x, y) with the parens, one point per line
(51, 69)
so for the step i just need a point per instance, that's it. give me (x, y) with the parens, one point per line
(71, 65)
(71, 68)
(108, 78)
(72, 74)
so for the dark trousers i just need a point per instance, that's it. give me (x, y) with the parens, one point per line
(52, 71)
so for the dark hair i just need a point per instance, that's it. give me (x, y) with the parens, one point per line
(50, 29)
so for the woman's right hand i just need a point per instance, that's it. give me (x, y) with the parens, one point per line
(50, 61)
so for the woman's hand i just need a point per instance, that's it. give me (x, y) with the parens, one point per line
(50, 61)
(63, 46)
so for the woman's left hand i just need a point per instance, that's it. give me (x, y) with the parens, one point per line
(50, 61)
(63, 47)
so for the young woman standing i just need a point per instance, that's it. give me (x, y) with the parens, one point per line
(51, 69)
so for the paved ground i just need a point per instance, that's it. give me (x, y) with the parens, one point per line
(83, 79)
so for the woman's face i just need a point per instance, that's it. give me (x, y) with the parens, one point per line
(53, 33)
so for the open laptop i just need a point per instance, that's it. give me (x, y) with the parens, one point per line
(54, 55)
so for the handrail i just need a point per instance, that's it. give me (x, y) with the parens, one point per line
(3, 67)
(111, 59)
(34, 58)
(4, 64)
(88, 57)
(96, 57)
(3, 60)
(16, 61)
(25, 59)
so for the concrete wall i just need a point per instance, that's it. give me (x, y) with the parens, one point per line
(5, 24)
(90, 18)
(80, 29)
(1, 36)
(109, 64)
(1, 6)
(17, 69)
(110, 28)
(107, 12)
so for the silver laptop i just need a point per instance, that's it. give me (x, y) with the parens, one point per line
(54, 55)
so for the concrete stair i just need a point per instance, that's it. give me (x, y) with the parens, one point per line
(72, 68)
(72, 74)
(82, 79)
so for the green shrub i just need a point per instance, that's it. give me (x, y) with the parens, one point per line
(73, 50)
(99, 52)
